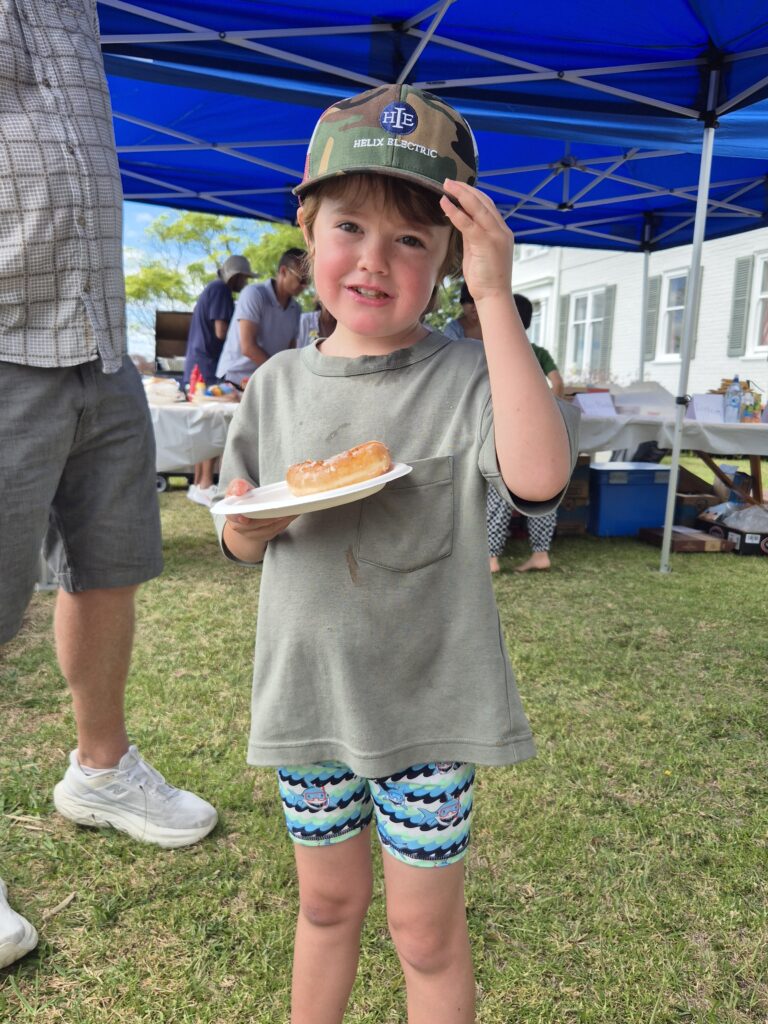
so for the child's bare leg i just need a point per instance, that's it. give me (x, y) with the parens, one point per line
(335, 885)
(428, 923)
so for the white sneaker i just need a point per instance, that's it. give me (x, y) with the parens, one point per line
(17, 936)
(205, 495)
(192, 492)
(134, 798)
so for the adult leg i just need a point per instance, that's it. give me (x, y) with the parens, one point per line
(104, 541)
(335, 885)
(428, 923)
(541, 530)
(498, 518)
(94, 637)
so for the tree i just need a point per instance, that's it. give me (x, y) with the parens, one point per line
(180, 255)
(182, 252)
(447, 307)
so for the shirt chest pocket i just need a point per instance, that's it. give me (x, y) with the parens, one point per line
(409, 523)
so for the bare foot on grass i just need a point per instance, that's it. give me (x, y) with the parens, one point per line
(538, 562)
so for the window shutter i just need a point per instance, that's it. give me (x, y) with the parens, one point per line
(742, 287)
(695, 332)
(562, 331)
(609, 302)
(652, 317)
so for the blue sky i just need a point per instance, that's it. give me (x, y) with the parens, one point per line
(136, 218)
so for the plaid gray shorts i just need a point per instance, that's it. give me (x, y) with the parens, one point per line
(77, 477)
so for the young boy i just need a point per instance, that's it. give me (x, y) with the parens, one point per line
(381, 676)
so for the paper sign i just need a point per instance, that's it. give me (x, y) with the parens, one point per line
(595, 403)
(706, 409)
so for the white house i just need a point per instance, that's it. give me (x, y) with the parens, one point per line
(588, 311)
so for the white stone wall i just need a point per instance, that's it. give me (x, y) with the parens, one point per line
(547, 273)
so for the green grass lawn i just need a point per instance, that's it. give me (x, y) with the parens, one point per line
(618, 878)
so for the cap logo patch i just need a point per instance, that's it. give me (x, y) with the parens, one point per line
(399, 118)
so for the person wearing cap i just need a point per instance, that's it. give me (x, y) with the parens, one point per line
(265, 321)
(77, 451)
(212, 315)
(372, 697)
(207, 331)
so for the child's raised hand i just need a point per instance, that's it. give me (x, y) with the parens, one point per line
(488, 242)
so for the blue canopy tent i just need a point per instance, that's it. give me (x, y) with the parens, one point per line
(246, 160)
(595, 75)
(620, 58)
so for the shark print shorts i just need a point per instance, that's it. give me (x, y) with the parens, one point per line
(422, 814)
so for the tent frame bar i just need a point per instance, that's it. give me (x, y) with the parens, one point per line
(190, 32)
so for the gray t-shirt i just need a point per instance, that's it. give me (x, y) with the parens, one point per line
(378, 642)
(278, 327)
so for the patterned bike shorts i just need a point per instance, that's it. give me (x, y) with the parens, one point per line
(422, 814)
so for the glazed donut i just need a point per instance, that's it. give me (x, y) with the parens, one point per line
(363, 462)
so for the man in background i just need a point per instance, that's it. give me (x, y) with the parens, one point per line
(77, 454)
(266, 319)
(207, 331)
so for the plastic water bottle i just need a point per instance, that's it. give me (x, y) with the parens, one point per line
(733, 401)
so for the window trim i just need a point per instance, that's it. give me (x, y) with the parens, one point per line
(753, 350)
(662, 356)
(543, 303)
(584, 369)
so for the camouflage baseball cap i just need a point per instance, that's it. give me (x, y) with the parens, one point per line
(392, 129)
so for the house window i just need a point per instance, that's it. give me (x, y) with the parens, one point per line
(536, 330)
(587, 330)
(524, 251)
(674, 312)
(761, 336)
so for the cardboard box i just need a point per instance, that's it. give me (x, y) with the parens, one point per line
(686, 540)
(689, 507)
(171, 332)
(572, 516)
(689, 483)
(568, 528)
(744, 542)
(577, 489)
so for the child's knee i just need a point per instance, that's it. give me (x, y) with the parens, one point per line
(427, 947)
(329, 909)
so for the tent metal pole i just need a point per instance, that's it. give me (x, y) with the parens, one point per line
(692, 299)
(643, 307)
(425, 37)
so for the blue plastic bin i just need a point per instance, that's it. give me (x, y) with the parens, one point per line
(624, 497)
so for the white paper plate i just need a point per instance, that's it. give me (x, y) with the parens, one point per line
(275, 500)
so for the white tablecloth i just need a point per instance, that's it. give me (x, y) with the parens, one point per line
(187, 433)
(609, 433)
